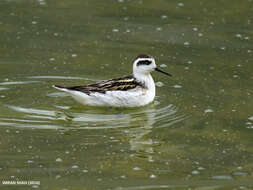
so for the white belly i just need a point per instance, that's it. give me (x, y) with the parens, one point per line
(131, 98)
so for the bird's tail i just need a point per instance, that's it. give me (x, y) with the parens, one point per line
(62, 88)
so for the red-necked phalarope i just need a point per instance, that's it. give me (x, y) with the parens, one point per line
(134, 90)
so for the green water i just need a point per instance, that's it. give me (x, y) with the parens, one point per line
(198, 132)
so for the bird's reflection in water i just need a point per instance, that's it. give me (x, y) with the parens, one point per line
(131, 126)
(141, 125)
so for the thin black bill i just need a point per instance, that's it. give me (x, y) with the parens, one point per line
(161, 71)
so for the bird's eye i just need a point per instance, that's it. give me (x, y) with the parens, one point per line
(145, 62)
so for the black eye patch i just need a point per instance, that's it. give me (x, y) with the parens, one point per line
(145, 62)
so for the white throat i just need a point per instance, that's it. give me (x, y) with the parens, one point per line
(145, 79)
(148, 82)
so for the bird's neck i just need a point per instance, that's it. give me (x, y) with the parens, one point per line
(145, 79)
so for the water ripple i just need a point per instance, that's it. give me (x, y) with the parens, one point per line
(18, 82)
(100, 118)
(4, 89)
(61, 77)
(37, 126)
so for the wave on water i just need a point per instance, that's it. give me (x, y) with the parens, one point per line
(17, 82)
(61, 77)
(94, 118)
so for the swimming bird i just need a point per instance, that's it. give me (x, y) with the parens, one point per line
(137, 89)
